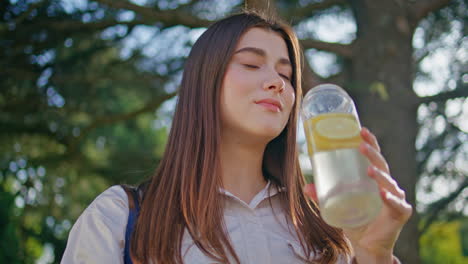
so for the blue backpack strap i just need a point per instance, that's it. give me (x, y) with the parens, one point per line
(132, 217)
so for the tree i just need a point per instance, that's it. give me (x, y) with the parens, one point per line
(83, 82)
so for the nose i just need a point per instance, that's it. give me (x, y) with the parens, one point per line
(275, 82)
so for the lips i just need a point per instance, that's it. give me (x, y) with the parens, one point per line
(271, 104)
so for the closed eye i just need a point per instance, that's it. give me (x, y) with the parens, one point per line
(250, 66)
(285, 76)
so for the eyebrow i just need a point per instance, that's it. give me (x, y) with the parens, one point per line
(261, 53)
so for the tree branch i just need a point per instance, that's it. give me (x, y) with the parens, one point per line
(87, 78)
(167, 17)
(21, 17)
(311, 78)
(442, 203)
(67, 26)
(265, 6)
(338, 79)
(305, 11)
(420, 9)
(107, 120)
(444, 96)
(421, 55)
(345, 50)
(39, 128)
(21, 73)
(31, 8)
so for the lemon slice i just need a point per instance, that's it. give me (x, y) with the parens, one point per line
(337, 127)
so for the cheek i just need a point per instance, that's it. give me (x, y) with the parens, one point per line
(236, 83)
(232, 93)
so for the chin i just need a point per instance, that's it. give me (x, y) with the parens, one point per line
(269, 132)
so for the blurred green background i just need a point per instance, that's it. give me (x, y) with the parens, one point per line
(88, 88)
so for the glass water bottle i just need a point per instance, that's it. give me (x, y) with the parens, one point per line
(347, 196)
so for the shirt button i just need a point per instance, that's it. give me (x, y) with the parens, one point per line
(255, 220)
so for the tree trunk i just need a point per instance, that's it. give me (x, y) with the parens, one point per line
(381, 83)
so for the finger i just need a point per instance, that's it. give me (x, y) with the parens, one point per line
(374, 157)
(399, 208)
(309, 190)
(384, 180)
(370, 138)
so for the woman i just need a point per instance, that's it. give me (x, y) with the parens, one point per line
(229, 188)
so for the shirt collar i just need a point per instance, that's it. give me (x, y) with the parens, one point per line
(259, 197)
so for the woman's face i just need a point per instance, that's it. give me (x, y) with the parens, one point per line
(257, 95)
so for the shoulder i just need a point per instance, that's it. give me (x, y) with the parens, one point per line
(110, 208)
(98, 236)
(111, 202)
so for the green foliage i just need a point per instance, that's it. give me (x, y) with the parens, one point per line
(81, 90)
(76, 117)
(442, 243)
(9, 239)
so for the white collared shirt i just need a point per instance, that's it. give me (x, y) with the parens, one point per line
(258, 237)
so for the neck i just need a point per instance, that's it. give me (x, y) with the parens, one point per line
(241, 167)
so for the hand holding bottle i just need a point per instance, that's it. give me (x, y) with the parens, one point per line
(373, 241)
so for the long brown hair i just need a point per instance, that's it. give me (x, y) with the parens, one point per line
(183, 192)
